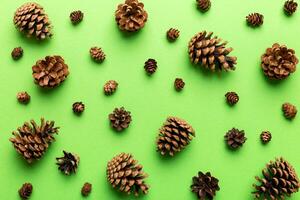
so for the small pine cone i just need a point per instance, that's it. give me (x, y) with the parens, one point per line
(110, 87)
(174, 136)
(232, 98)
(50, 72)
(203, 5)
(97, 54)
(78, 107)
(290, 6)
(32, 20)
(265, 137)
(150, 66)
(173, 34)
(76, 16)
(17, 53)
(289, 110)
(25, 191)
(125, 174)
(235, 138)
(23, 97)
(255, 19)
(120, 119)
(205, 186)
(86, 189)
(211, 53)
(68, 163)
(179, 84)
(279, 180)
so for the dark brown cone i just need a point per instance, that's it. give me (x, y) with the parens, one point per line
(255, 19)
(205, 186)
(50, 72)
(86, 189)
(150, 66)
(120, 119)
(278, 62)
(32, 20)
(203, 5)
(25, 191)
(78, 107)
(125, 174)
(173, 34)
(179, 84)
(290, 6)
(232, 98)
(265, 137)
(131, 16)
(279, 181)
(23, 97)
(17, 53)
(211, 53)
(97, 54)
(68, 163)
(110, 87)
(174, 136)
(235, 138)
(76, 16)
(32, 141)
(289, 110)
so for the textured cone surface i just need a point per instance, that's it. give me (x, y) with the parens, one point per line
(265, 137)
(86, 189)
(110, 87)
(50, 72)
(255, 19)
(150, 66)
(25, 191)
(179, 84)
(235, 138)
(278, 62)
(120, 119)
(205, 186)
(131, 16)
(97, 54)
(76, 16)
(23, 97)
(289, 110)
(173, 34)
(290, 6)
(203, 5)
(31, 19)
(17, 53)
(279, 180)
(125, 174)
(232, 98)
(174, 136)
(78, 107)
(32, 141)
(68, 163)
(210, 52)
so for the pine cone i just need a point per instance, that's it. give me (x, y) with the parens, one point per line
(173, 34)
(203, 5)
(150, 66)
(17, 53)
(97, 54)
(125, 174)
(235, 138)
(290, 6)
(23, 97)
(278, 62)
(50, 72)
(32, 141)
(210, 52)
(232, 98)
(78, 107)
(86, 189)
(131, 16)
(289, 110)
(179, 84)
(265, 137)
(32, 20)
(174, 136)
(120, 119)
(110, 87)
(76, 16)
(255, 19)
(68, 163)
(205, 186)
(25, 191)
(279, 180)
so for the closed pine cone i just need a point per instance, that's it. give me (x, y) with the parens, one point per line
(120, 119)
(289, 110)
(232, 98)
(32, 20)
(125, 174)
(68, 164)
(173, 34)
(131, 16)
(150, 66)
(78, 107)
(179, 84)
(265, 137)
(25, 191)
(174, 136)
(17, 53)
(255, 19)
(50, 72)
(86, 189)
(203, 5)
(76, 16)
(110, 87)
(32, 141)
(235, 138)
(279, 181)
(210, 52)
(290, 6)
(97, 54)
(23, 97)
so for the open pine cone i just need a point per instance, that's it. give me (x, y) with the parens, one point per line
(68, 163)
(211, 52)
(235, 138)
(120, 119)
(25, 191)
(203, 5)
(255, 19)
(125, 174)
(290, 6)
(289, 110)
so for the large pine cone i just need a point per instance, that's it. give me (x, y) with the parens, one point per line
(32, 20)
(255, 19)
(131, 16)
(32, 141)
(174, 136)
(125, 174)
(235, 138)
(50, 72)
(210, 52)
(278, 62)
(279, 180)
(120, 119)
(290, 6)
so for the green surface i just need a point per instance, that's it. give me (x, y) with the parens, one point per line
(150, 99)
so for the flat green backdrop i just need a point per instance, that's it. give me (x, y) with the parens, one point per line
(150, 99)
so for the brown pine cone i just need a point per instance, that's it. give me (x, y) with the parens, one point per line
(179, 84)
(255, 19)
(205, 186)
(97, 54)
(150, 66)
(23, 97)
(25, 191)
(265, 137)
(174, 136)
(131, 16)
(110, 87)
(78, 107)
(68, 163)
(173, 34)
(290, 6)
(32, 141)
(235, 138)
(232, 98)
(32, 20)
(125, 174)
(86, 189)
(203, 5)
(76, 16)
(211, 53)
(17, 53)
(50, 72)
(279, 180)
(120, 119)
(289, 110)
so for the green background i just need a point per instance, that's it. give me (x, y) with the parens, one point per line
(150, 99)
